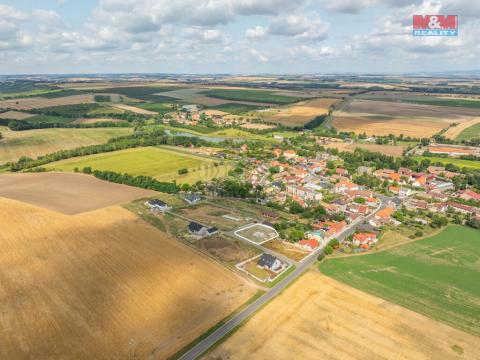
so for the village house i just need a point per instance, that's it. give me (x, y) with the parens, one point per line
(157, 205)
(195, 228)
(290, 154)
(304, 193)
(382, 217)
(309, 244)
(364, 239)
(269, 262)
(469, 195)
(331, 228)
(192, 198)
(463, 209)
(344, 186)
(438, 207)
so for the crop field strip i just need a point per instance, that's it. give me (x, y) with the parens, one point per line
(260, 96)
(437, 276)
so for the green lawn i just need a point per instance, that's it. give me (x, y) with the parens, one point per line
(161, 163)
(458, 162)
(438, 276)
(260, 96)
(473, 132)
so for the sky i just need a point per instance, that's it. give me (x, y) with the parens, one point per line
(232, 36)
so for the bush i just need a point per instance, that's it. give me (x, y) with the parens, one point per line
(183, 171)
(321, 256)
(328, 250)
(418, 233)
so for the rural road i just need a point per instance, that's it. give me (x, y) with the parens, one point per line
(205, 344)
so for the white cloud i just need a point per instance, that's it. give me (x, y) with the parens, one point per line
(299, 26)
(258, 32)
(258, 56)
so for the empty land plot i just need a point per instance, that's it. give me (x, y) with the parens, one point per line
(464, 131)
(257, 233)
(40, 102)
(226, 250)
(67, 193)
(320, 318)
(214, 216)
(256, 96)
(161, 163)
(383, 118)
(300, 113)
(34, 143)
(134, 109)
(15, 115)
(289, 250)
(436, 276)
(103, 285)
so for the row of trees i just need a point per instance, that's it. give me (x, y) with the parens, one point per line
(25, 125)
(145, 182)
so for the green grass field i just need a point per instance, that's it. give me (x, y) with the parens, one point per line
(438, 276)
(160, 163)
(260, 96)
(473, 132)
(234, 108)
(33, 143)
(48, 119)
(458, 162)
(414, 98)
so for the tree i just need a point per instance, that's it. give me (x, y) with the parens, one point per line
(328, 250)
(294, 207)
(359, 200)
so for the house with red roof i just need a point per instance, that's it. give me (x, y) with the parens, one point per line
(469, 195)
(364, 238)
(309, 244)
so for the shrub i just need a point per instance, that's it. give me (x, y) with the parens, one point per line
(183, 171)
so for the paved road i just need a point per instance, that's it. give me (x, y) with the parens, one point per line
(201, 347)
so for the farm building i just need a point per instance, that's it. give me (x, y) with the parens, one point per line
(269, 262)
(157, 205)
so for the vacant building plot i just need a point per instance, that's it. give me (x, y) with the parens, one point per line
(103, 285)
(67, 193)
(209, 214)
(465, 131)
(15, 115)
(383, 118)
(436, 276)
(300, 113)
(226, 250)
(257, 233)
(40, 102)
(134, 109)
(160, 163)
(320, 318)
(34, 143)
(287, 249)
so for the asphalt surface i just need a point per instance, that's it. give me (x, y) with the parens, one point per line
(203, 346)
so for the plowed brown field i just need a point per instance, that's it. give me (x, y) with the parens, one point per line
(103, 285)
(320, 318)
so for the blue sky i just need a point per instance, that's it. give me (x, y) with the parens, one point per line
(231, 36)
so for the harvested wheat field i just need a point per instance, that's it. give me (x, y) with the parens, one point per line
(320, 318)
(96, 120)
(386, 117)
(134, 109)
(103, 285)
(67, 193)
(15, 115)
(39, 102)
(300, 113)
(257, 126)
(454, 131)
(392, 150)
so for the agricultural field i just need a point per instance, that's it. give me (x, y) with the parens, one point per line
(34, 143)
(236, 108)
(384, 117)
(137, 92)
(134, 109)
(15, 115)
(437, 100)
(392, 150)
(160, 163)
(67, 193)
(42, 102)
(465, 131)
(256, 96)
(300, 113)
(257, 126)
(436, 276)
(97, 120)
(318, 317)
(141, 293)
(472, 164)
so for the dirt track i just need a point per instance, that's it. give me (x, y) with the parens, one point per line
(66, 192)
(320, 318)
(103, 285)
